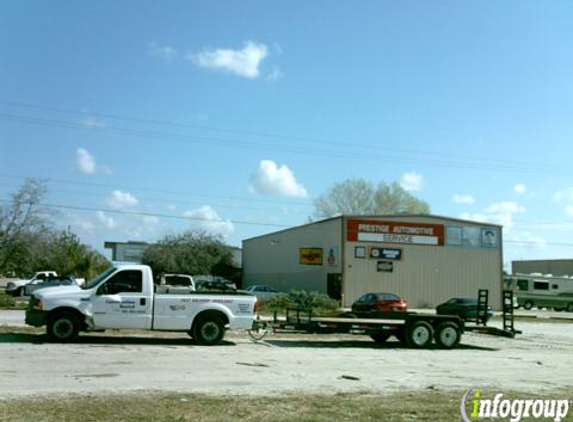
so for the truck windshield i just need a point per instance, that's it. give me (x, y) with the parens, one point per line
(95, 281)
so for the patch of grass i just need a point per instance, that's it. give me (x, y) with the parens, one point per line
(9, 302)
(419, 406)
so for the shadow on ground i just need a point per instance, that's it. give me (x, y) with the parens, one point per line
(360, 344)
(103, 340)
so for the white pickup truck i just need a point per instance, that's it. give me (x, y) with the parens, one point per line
(16, 287)
(123, 297)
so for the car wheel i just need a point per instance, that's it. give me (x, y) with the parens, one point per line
(208, 330)
(447, 335)
(558, 309)
(63, 327)
(380, 337)
(528, 305)
(419, 334)
(17, 292)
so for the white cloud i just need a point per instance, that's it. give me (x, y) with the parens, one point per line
(121, 200)
(501, 213)
(244, 62)
(565, 196)
(463, 199)
(107, 222)
(412, 181)
(268, 178)
(209, 220)
(569, 210)
(520, 188)
(86, 163)
(275, 74)
(92, 123)
(162, 52)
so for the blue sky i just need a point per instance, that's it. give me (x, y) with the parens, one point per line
(233, 116)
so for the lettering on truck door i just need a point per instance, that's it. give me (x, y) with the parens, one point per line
(123, 301)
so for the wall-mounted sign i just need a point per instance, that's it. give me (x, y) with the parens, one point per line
(360, 252)
(310, 256)
(386, 253)
(332, 257)
(472, 236)
(385, 266)
(394, 232)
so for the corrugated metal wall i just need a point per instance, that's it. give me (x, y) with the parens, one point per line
(273, 259)
(426, 275)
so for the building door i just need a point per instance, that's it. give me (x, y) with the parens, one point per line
(334, 286)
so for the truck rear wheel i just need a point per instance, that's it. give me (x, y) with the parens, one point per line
(208, 330)
(419, 334)
(447, 335)
(63, 327)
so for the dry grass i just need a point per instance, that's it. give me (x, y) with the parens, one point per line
(427, 405)
(9, 302)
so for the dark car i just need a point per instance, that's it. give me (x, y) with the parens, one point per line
(215, 285)
(464, 307)
(379, 302)
(49, 282)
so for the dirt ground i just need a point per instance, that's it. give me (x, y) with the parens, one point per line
(538, 360)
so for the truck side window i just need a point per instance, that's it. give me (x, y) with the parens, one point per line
(128, 281)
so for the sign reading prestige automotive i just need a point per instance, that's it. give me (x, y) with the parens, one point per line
(395, 232)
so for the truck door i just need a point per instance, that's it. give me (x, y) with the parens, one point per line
(123, 301)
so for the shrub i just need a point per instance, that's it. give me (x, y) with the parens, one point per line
(315, 302)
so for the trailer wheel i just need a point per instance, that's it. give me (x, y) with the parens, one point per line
(401, 336)
(447, 335)
(379, 337)
(63, 327)
(208, 330)
(528, 305)
(419, 334)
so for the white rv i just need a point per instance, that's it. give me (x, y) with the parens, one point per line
(542, 291)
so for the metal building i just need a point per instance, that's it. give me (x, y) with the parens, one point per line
(555, 267)
(426, 259)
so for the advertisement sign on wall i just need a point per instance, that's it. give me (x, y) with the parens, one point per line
(310, 256)
(395, 232)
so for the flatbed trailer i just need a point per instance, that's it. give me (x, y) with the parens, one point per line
(411, 328)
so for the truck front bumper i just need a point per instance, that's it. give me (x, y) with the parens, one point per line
(35, 317)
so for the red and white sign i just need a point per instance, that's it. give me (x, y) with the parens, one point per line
(394, 232)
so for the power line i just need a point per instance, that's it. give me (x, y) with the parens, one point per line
(245, 132)
(469, 163)
(158, 215)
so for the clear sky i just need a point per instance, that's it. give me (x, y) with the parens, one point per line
(233, 116)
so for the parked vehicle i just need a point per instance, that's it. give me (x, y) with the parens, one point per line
(123, 297)
(16, 287)
(542, 291)
(215, 284)
(379, 302)
(263, 292)
(464, 307)
(175, 284)
(48, 282)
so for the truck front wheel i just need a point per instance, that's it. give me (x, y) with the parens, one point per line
(63, 327)
(208, 330)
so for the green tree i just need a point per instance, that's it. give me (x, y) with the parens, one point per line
(362, 197)
(191, 252)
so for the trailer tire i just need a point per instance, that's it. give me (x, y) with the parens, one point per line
(448, 335)
(419, 334)
(379, 337)
(528, 305)
(401, 336)
(208, 330)
(63, 327)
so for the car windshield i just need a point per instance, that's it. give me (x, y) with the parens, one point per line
(95, 281)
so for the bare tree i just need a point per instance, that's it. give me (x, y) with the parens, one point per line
(361, 197)
(21, 223)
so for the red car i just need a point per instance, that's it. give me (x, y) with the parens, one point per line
(379, 302)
